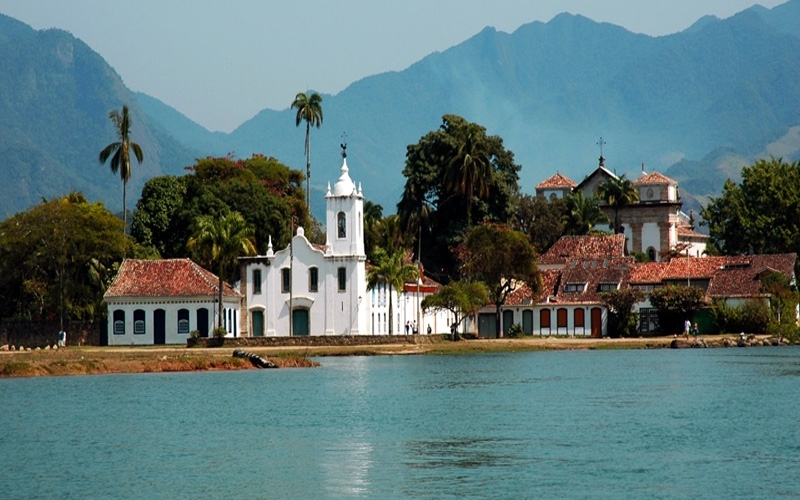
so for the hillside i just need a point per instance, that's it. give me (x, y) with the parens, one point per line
(696, 105)
(55, 97)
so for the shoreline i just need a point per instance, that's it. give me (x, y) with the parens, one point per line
(85, 360)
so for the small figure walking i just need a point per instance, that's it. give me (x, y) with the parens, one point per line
(694, 330)
(414, 327)
(429, 330)
(62, 338)
(687, 325)
(408, 326)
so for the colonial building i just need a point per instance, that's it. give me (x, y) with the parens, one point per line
(308, 289)
(163, 301)
(655, 225)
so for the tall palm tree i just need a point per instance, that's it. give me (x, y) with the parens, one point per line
(393, 270)
(469, 171)
(582, 214)
(309, 109)
(617, 192)
(121, 151)
(219, 241)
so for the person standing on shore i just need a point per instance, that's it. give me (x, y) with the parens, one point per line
(62, 338)
(687, 325)
(694, 330)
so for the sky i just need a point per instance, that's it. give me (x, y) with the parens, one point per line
(220, 63)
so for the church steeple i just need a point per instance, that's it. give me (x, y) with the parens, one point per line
(345, 218)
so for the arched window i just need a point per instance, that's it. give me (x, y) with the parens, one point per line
(138, 322)
(561, 317)
(341, 225)
(183, 321)
(651, 254)
(579, 318)
(119, 322)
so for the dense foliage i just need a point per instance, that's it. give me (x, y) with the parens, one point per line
(752, 316)
(759, 215)
(455, 175)
(622, 320)
(502, 259)
(675, 305)
(267, 193)
(460, 298)
(59, 256)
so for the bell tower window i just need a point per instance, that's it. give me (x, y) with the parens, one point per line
(341, 225)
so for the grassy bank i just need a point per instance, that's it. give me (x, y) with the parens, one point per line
(87, 360)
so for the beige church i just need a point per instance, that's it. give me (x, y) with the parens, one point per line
(654, 225)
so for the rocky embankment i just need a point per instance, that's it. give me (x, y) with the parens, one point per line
(740, 341)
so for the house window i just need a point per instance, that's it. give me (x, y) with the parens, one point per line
(342, 279)
(119, 322)
(648, 320)
(579, 318)
(341, 225)
(138, 322)
(544, 318)
(256, 280)
(313, 279)
(286, 280)
(183, 321)
(574, 287)
(608, 287)
(651, 254)
(561, 317)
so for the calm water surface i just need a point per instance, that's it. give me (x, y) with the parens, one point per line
(715, 423)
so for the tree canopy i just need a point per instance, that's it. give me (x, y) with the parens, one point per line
(460, 298)
(502, 259)
(455, 175)
(120, 153)
(59, 256)
(759, 215)
(393, 270)
(266, 193)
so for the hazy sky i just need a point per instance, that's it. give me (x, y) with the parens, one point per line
(220, 63)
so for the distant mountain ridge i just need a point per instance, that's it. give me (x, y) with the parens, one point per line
(550, 90)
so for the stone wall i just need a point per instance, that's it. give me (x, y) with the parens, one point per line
(43, 333)
(328, 340)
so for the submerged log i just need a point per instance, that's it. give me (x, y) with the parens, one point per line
(257, 360)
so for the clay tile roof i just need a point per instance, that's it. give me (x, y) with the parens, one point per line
(648, 272)
(741, 276)
(654, 178)
(686, 232)
(568, 248)
(165, 278)
(693, 267)
(556, 181)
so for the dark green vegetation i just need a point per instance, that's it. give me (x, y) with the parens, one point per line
(716, 95)
(59, 256)
(621, 318)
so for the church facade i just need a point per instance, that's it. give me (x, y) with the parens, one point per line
(655, 225)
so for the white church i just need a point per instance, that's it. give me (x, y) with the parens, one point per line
(323, 289)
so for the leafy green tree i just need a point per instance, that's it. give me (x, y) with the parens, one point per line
(309, 110)
(617, 193)
(676, 304)
(266, 192)
(502, 259)
(460, 298)
(621, 318)
(541, 220)
(393, 270)
(219, 241)
(761, 214)
(373, 214)
(583, 214)
(469, 172)
(783, 301)
(57, 257)
(121, 151)
(450, 210)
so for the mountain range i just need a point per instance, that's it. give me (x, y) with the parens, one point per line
(695, 105)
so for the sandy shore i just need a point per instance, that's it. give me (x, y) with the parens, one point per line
(88, 359)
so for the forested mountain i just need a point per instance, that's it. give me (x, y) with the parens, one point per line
(707, 100)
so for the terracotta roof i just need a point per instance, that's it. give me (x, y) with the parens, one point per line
(165, 278)
(742, 277)
(648, 272)
(556, 181)
(568, 248)
(688, 232)
(655, 178)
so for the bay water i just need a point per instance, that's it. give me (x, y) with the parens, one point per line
(707, 423)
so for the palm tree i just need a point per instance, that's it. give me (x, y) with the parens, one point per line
(219, 241)
(582, 214)
(121, 151)
(309, 109)
(469, 172)
(617, 192)
(393, 270)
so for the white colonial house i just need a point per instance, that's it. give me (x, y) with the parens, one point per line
(162, 301)
(323, 288)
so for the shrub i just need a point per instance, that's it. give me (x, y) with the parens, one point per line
(515, 331)
(675, 304)
(219, 332)
(621, 318)
(750, 317)
(194, 334)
